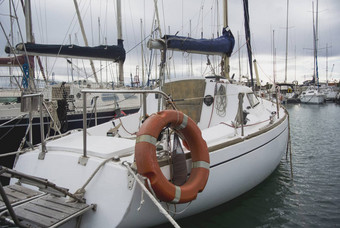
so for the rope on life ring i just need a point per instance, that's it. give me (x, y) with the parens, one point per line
(147, 164)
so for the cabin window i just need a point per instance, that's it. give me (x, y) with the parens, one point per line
(109, 97)
(253, 101)
(283, 88)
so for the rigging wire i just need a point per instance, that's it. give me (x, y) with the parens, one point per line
(106, 19)
(63, 42)
(150, 35)
(11, 47)
(91, 20)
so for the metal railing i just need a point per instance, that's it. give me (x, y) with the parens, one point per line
(84, 158)
(31, 99)
(29, 102)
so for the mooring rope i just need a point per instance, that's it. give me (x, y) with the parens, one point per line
(152, 197)
(289, 144)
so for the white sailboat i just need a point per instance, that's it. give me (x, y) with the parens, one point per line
(127, 170)
(330, 92)
(313, 95)
(337, 98)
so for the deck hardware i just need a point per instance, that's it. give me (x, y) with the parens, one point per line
(83, 160)
(131, 181)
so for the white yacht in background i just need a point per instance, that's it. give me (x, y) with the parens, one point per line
(312, 95)
(329, 91)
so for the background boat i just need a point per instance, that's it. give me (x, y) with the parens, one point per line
(288, 93)
(63, 101)
(312, 95)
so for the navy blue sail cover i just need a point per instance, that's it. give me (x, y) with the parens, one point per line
(219, 46)
(107, 52)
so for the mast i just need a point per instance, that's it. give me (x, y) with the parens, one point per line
(286, 43)
(191, 71)
(11, 33)
(295, 62)
(29, 38)
(239, 56)
(315, 37)
(274, 58)
(316, 42)
(71, 62)
(247, 32)
(100, 62)
(327, 64)
(120, 41)
(85, 38)
(142, 50)
(28, 21)
(314, 73)
(157, 18)
(225, 25)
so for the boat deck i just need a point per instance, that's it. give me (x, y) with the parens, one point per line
(38, 209)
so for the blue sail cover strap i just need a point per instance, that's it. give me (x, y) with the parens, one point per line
(222, 45)
(106, 52)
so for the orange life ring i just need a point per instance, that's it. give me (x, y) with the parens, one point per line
(147, 164)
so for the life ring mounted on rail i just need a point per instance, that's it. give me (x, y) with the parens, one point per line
(147, 164)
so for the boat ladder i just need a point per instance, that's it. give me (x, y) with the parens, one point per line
(26, 207)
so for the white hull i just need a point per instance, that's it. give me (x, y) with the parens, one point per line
(237, 163)
(312, 96)
(234, 170)
(330, 95)
(313, 99)
(232, 173)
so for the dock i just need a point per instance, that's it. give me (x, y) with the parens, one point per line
(26, 207)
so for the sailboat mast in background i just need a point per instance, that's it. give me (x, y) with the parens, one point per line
(225, 25)
(247, 32)
(120, 41)
(29, 38)
(286, 43)
(85, 39)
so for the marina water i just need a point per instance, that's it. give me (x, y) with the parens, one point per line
(311, 198)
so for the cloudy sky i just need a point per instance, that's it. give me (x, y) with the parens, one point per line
(55, 22)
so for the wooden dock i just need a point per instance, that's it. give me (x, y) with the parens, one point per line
(37, 209)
